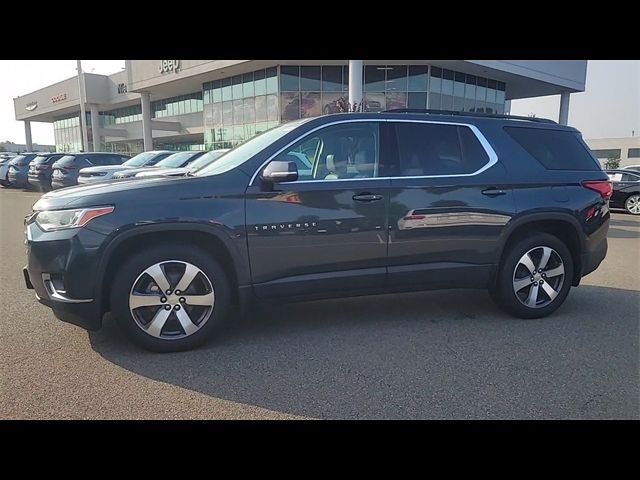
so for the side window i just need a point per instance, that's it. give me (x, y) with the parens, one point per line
(435, 149)
(628, 177)
(157, 158)
(343, 151)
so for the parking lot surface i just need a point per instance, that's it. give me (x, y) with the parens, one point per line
(434, 355)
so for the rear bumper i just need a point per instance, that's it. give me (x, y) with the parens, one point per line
(17, 179)
(62, 183)
(594, 251)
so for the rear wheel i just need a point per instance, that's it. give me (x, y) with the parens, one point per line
(632, 204)
(535, 277)
(170, 299)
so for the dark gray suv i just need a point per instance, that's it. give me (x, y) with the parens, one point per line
(392, 202)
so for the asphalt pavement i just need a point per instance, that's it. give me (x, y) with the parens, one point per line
(433, 355)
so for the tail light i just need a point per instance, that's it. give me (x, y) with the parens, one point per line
(603, 187)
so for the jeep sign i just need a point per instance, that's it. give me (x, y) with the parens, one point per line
(169, 66)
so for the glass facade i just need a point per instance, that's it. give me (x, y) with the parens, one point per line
(121, 115)
(181, 105)
(239, 107)
(68, 134)
(178, 146)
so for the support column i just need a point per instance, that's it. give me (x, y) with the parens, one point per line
(27, 134)
(355, 81)
(146, 121)
(95, 127)
(563, 117)
(83, 112)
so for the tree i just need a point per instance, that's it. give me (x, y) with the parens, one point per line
(2, 149)
(612, 162)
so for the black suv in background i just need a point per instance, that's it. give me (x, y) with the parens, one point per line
(394, 201)
(40, 170)
(66, 170)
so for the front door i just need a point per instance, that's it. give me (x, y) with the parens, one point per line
(449, 203)
(327, 232)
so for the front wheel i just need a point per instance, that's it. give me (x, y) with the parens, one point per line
(169, 298)
(632, 204)
(535, 277)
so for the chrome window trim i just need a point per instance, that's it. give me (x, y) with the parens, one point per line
(493, 157)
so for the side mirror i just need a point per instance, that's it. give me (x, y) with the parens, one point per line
(279, 171)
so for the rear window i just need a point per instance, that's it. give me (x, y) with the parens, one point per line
(67, 160)
(555, 149)
(45, 159)
(22, 160)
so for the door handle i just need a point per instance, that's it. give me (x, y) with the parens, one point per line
(367, 197)
(493, 192)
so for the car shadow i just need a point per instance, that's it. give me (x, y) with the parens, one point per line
(444, 354)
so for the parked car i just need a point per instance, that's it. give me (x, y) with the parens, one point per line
(40, 170)
(4, 170)
(176, 160)
(520, 204)
(66, 170)
(105, 172)
(204, 160)
(635, 168)
(626, 190)
(18, 168)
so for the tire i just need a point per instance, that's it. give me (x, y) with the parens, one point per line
(168, 262)
(514, 275)
(632, 204)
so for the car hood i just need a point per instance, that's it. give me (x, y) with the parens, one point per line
(94, 194)
(133, 171)
(105, 168)
(163, 171)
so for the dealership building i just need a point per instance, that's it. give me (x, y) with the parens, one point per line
(206, 104)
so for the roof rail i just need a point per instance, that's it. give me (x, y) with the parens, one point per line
(469, 114)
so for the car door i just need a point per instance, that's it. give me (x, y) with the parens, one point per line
(327, 231)
(449, 203)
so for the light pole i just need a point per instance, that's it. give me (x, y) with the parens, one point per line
(83, 114)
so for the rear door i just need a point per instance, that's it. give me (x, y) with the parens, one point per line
(450, 201)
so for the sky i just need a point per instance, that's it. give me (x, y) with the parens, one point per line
(19, 77)
(610, 106)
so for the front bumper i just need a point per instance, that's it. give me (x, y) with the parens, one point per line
(61, 269)
(63, 182)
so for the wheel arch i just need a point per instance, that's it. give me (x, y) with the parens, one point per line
(210, 239)
(562, 225)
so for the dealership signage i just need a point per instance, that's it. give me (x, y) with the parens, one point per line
(59, 98)
(31, 106)
(122, 88)
(167, 66)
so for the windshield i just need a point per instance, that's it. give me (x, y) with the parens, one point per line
(206, 159)
(177, 160)
(140, 159)
(244, 151)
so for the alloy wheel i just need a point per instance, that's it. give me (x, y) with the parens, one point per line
(172, 299)
(633, 204)
(538, 277)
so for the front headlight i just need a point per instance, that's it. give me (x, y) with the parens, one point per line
(49, 220)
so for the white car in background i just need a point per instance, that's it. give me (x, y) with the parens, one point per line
(204, 160)
(105, 172)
